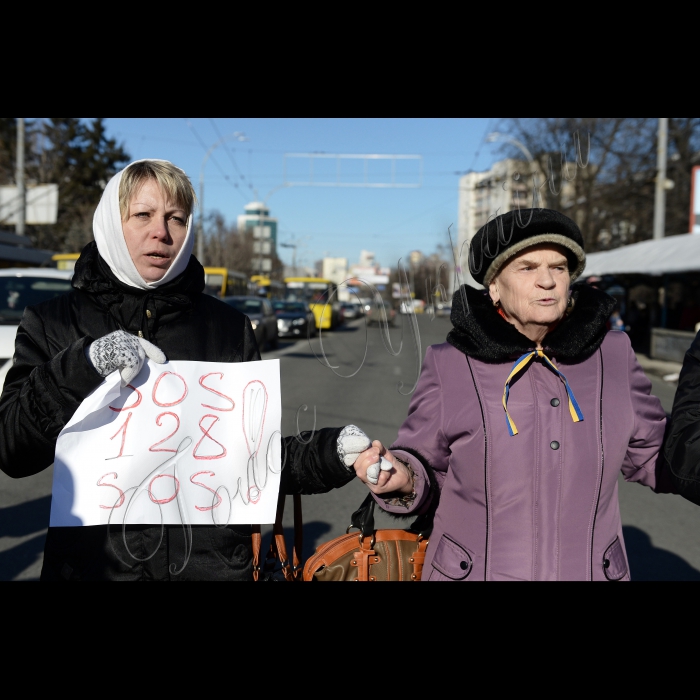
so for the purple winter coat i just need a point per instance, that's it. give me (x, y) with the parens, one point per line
(542, 504)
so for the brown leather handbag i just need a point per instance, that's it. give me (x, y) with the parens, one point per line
(372, 555)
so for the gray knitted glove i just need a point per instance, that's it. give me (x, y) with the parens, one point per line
(124, 352)
(351, 442)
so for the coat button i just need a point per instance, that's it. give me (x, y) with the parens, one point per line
(463, 565)
(554, 402)
(554, 445)
(148, 313)
(606, 563)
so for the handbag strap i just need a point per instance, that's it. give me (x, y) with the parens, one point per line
(423, 524)
(278, 546)
(256, 544)
(298, 537)
(363, 518)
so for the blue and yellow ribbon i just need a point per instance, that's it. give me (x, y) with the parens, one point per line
(521, 363)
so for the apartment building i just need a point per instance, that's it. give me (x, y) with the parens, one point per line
(506, 186)
(257, 219)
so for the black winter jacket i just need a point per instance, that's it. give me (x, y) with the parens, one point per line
(682, 449)
(51, 376)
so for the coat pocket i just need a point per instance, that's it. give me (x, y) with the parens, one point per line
(451, 560)
(614, 561)
(233, 546)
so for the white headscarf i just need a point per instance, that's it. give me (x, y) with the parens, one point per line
(109, 236)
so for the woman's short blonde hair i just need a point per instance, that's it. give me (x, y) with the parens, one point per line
(171, 180)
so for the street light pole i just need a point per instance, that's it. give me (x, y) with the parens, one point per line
(19, 179)
(660, 193)
(272, 191)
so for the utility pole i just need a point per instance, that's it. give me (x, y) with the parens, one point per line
(200, 235)
(19, 179)
(660, 194)
(293, 246)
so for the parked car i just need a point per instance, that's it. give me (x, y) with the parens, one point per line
(374, 314)
(443, 308)
(415, 305)
(262, 318)
(351, 309)
(294, 319)
(21, 287)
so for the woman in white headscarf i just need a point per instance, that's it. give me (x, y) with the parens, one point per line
(138, 293)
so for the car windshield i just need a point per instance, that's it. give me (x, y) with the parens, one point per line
(16, 293)
(289, 307)
(246, 306)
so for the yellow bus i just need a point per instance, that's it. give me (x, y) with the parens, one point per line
(266, 287)
(65, 261)
(220, 282)
(321, 296)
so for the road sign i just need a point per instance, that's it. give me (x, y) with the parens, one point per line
(353, 170)
(42, 204)
(695, 200)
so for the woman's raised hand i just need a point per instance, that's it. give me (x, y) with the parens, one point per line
(382, 472)
(124, 352)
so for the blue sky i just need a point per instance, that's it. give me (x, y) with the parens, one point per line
(333, 221)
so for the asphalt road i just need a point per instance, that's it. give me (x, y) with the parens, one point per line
(662, 532)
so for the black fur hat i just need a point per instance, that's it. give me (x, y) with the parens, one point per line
(506, 235)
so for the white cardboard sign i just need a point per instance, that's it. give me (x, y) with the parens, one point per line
(194, 443)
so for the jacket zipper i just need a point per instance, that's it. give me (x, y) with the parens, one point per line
(602, 459)
(486, 455)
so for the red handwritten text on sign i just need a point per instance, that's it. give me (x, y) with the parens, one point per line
(214, 391)
(169, 390)
(153, 447)
(187, 442)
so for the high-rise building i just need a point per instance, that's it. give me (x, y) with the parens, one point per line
(335, 269)
(263, 227)
(366, 258)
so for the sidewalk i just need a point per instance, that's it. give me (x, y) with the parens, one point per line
(668, 371)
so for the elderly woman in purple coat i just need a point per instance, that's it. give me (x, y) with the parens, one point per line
(522, 420)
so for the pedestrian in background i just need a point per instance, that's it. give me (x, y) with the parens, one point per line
(137, 293)
(522, 421)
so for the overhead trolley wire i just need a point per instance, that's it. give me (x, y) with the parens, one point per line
(216, 162)
(230, 155)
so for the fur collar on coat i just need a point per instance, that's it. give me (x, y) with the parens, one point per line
(479, 331)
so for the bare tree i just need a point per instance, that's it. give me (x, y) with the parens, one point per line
(612, 182)
(684, 147)
(79, 157)
(225, 246)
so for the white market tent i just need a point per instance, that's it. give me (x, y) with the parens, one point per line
(654, 257)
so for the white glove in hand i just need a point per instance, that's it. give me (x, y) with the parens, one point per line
(351, 442)
(373, 470)
(124, 352)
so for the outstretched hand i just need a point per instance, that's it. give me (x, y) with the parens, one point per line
(382, 472)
